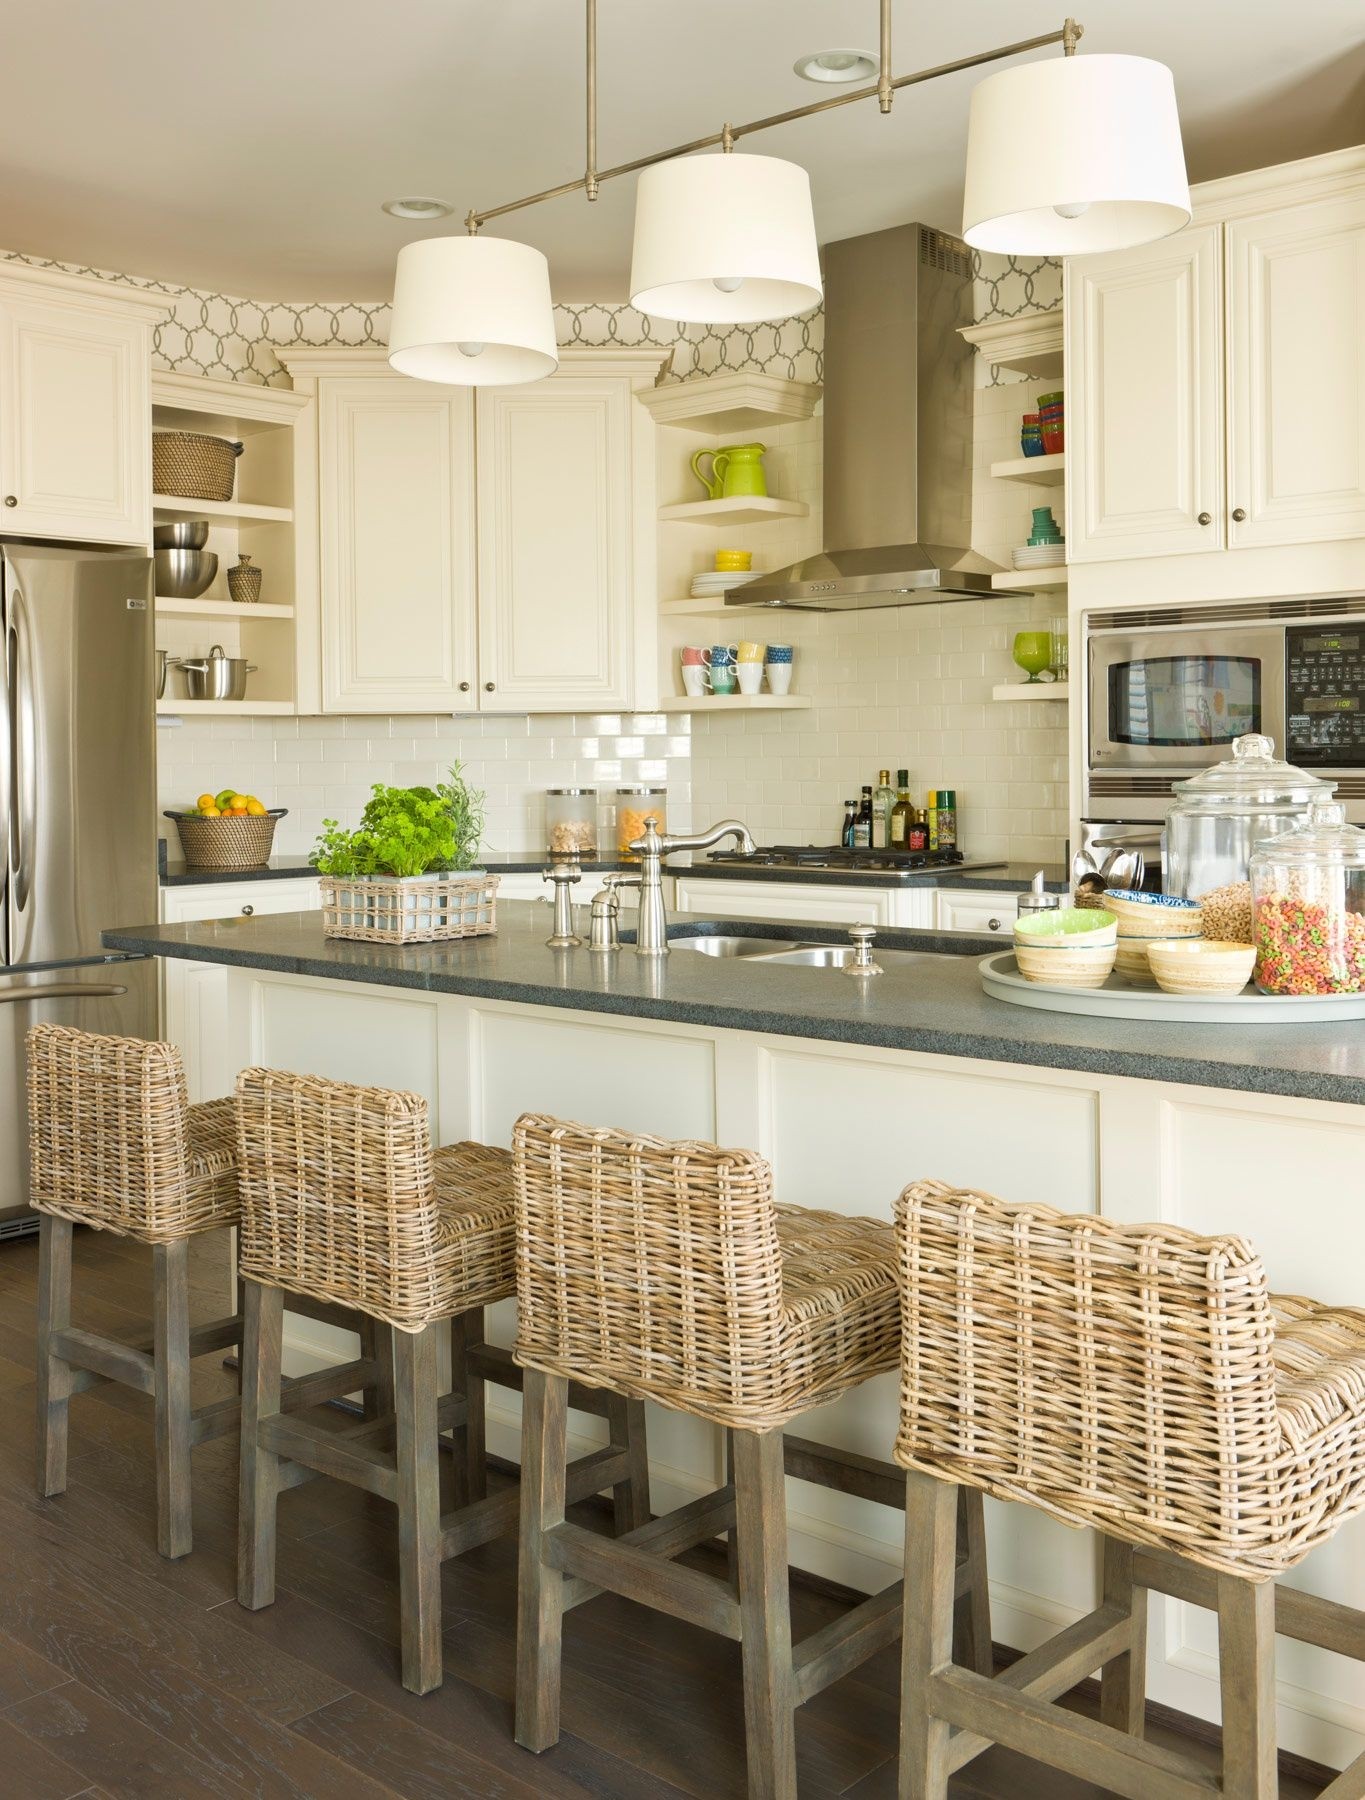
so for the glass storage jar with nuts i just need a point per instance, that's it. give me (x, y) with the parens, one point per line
(571, 822)
(633, 806)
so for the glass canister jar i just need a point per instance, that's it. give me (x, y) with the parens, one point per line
(633, 806)
(571, 821)
(1308, 907)
(1218, 816)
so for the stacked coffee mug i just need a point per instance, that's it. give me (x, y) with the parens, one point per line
(736, 668)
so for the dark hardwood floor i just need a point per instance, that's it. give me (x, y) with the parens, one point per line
(122, 1675)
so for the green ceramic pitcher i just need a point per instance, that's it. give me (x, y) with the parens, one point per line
(736, 470)
(712, 482)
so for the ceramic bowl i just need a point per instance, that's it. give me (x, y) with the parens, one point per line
(1069, 927)
(1143, 915)
(1132, 963)
(1073, 966)
(1207, 966)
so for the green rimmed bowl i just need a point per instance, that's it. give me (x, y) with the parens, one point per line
(1069, 927)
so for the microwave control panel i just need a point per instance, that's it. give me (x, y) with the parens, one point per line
(1325, 694)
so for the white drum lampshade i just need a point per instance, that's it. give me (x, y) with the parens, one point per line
(724, 240)
(1074, 155)
(472, 312)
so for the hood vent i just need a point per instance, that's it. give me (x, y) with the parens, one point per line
(898, 432)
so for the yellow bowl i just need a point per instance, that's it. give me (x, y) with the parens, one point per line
(1207, 966)
(1082, 966)
(734, 560)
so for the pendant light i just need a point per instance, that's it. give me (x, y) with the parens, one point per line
(724, 240)
(1072, 156)
(472, 312)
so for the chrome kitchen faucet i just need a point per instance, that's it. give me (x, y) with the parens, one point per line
(651, 938)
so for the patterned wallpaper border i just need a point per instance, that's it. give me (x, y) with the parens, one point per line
(236, 339)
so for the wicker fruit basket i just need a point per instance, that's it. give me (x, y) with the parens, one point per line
(414, 909)
(193, 466)
(226, 843)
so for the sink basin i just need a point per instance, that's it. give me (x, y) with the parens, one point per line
(732, 946)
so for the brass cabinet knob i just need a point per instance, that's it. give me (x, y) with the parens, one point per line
(464, 687)
(488, 687)
(993, 924)
(11, 500)
(248, 910)
(1239, 513)
(1206, 518)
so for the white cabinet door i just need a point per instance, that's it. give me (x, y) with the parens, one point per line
(194, 1004)
(556, 535)
(817, 905)
(1296, 374)
(1144, 400)
(972, 909)
(75, 422)
(396, 504)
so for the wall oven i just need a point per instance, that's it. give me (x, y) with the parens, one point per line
(1167, 690)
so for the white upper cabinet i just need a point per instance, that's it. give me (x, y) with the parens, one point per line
(75, 408)
(396, 517)
(556, 525)
(1296, 365)
(1144, 400)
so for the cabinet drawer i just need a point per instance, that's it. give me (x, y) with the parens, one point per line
(977, 911)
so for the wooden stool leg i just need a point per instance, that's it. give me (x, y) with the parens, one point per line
(540, 1589)
(419, 1507)
(1246, 1674)
(54, 1375)
(972, 1623)
(765, 1614)
(1123, 1682)
(630, 1498)
(471, 1441)
(258, 1475)
(927, 1636)
(731, 1536)
(171, 1352)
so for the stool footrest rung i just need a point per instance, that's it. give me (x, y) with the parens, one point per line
(483, 1520)
(491, 1362)
(1308, 1618)
(451, 1413)
(328, 1454)
(1055, 1667)
(687, 1526)
(1349, 1785)
(103, 1359)
(846, 1471)
(643, 1576)
(847, 1641)
(1064, 1740)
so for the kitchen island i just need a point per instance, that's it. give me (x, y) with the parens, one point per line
(852, 1090)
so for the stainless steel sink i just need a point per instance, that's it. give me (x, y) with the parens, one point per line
(731, 946)
(798, 955)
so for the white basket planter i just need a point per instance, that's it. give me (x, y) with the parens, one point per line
(409, 909)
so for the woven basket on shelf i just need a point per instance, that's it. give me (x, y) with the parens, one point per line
(226, 843)
(416, 909)
(193, 466)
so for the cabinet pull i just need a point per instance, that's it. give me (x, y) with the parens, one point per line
(11, 500)
(1206, 518)
(488, 687)
(464, 687)
(993, 924)
(248, 910)
(1239, 513)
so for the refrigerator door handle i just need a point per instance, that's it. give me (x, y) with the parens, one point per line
(6, 776)
(25, 758)
(60, 990)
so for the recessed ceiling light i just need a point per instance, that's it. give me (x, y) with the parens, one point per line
(837, 65)
(418, 206)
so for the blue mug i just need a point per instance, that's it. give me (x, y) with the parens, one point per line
(723, 654)
(778, 653)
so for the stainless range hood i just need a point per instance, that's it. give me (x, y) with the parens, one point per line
(898, 432)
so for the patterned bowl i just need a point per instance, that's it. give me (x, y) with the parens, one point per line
(1142, 915)
(1076, 966)
(1206, 966)
(1132, 963)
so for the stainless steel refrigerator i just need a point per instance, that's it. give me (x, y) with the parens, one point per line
(77, 811)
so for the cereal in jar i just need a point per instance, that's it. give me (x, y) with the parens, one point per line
(1308, 907)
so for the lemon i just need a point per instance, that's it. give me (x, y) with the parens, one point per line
(205, 801)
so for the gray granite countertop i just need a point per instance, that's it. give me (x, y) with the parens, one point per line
(936, 1007)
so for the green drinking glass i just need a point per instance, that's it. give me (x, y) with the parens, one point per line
(1033, 652)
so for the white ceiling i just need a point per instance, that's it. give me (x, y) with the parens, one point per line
(247, 147)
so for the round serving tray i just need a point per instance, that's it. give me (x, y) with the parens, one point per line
(1001, 979)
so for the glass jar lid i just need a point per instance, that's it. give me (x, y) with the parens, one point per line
(574, 792)
(1324, 838)
(641, 790)
(1253, 780)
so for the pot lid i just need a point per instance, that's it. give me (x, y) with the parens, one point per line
(1253, 778)
(1325, 838)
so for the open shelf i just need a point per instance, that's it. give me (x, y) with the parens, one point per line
(738, 400)
(701, 703)
(222, 709)
(1032, 690)
(1037, 471)
(710, 606)
(1029, 342)
(745, 509)
(1031, 581)
(220, 609)
(168, 507)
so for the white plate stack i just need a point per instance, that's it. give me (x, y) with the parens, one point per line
(1039, 556)
(717, 581)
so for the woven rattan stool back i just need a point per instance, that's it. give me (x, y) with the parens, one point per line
(108, 1142)
(1115, 1376)
(649, 1267)
(338, 1197)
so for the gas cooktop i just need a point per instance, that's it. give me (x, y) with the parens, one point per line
(833, 859)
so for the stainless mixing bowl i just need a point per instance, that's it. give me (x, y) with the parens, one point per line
(184, 574)
(185, 534)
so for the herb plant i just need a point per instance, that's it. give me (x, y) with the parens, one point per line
(465, 806)
(406, 831)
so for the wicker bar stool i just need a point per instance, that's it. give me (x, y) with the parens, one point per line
(1139, 1380)
(666, 1271)
(344, 1200)
(114, 1144)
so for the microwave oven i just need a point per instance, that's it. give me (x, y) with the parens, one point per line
(1167, 692)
